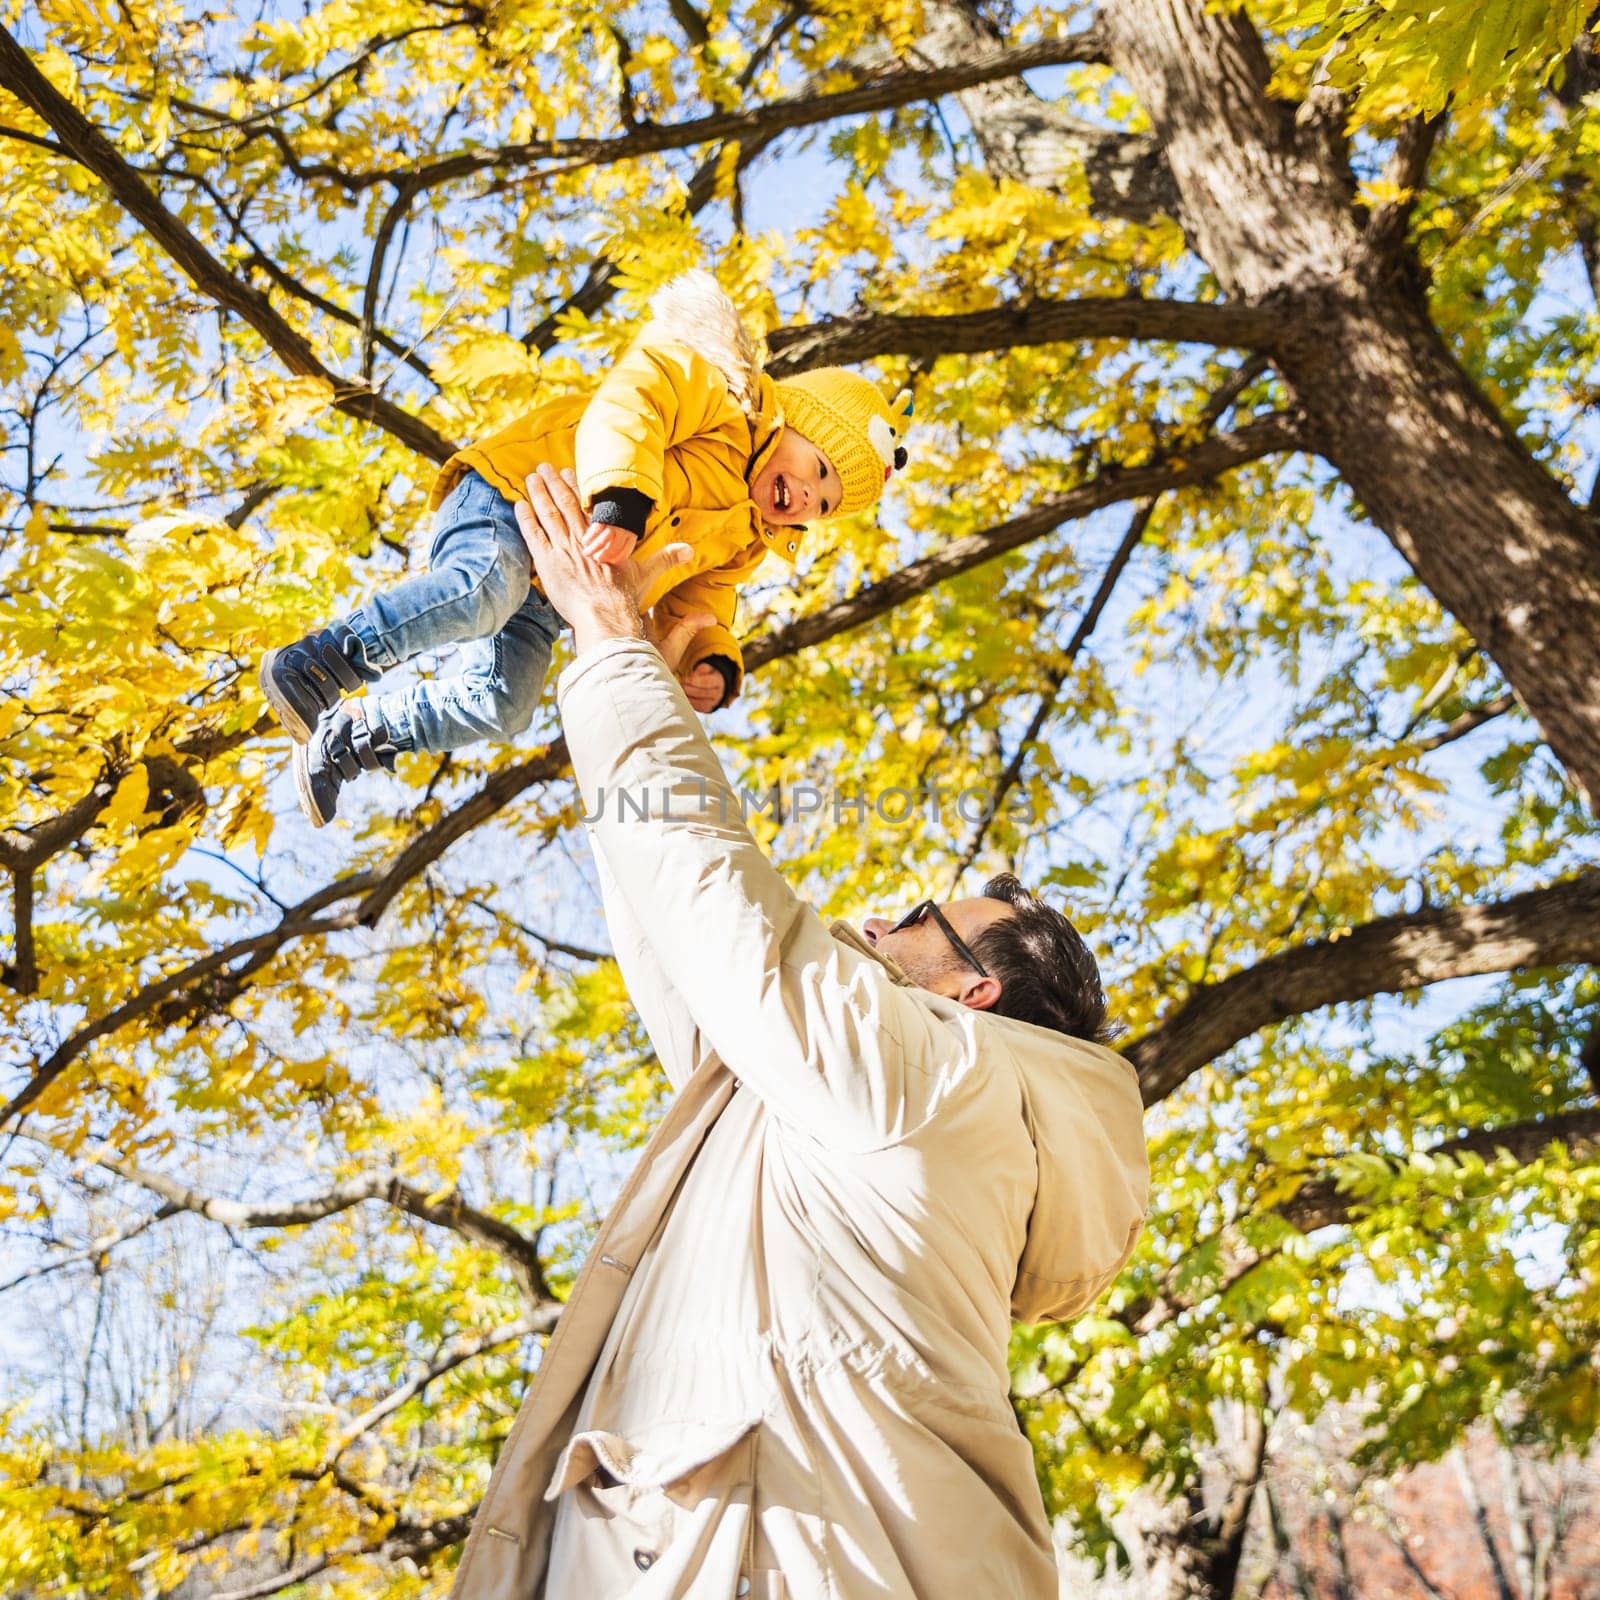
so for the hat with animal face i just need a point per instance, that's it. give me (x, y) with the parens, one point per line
(847, 418)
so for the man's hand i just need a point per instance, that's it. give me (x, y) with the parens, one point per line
(608, 545)
(704, 687)
(704, 692)
(601, 602)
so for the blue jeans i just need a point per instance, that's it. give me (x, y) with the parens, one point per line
(476, 592)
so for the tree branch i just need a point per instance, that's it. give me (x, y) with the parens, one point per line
(405, 193)
(1216, 407)
(1276, 434)
(690, 20)
(455, 1353)
(24, 137)
(283, 1580)
(22, 973)
(1320, 1203)
(411, 1541)
(1468, 722)
(881, 93)
(1056, 677)
(96, 1248)
(1405, 170)
(577, 951)
(599, 283)
(297, 923)
(1551, 927)
(452, 1213)
(356, 65)
(93, 151)
(187, 991)
(1323, 1204)
(405, 1541)
(27, 849)
(291, 285)
(847, 340)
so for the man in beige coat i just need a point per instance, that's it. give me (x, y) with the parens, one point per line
(782, 1371)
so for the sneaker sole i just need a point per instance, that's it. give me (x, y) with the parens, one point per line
(302, 789)
(294, 724)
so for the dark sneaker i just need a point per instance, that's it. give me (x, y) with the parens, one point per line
(344, 745)
(303, 680)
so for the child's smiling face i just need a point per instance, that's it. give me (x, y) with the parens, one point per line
(798, 483)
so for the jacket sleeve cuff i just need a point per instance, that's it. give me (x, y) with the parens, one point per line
(598, 654)
(730, 678)
(717, 642)
(623, 508)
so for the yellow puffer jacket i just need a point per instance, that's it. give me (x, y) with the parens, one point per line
(666, 422)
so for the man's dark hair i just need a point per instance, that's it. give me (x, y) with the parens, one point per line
(1045, 970)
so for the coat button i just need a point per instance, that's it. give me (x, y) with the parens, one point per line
(744, 1586)
(644, 1559)
(676, 521)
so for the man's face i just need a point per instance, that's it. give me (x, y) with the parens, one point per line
(930, 960)
(798, 483)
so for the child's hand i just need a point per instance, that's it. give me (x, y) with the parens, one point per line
(608, 545)
(704, 687)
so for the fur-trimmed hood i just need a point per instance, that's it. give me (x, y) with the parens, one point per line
(693, 309)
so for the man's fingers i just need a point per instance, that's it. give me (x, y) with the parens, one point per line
(537, 515)
(533, 535)
(677, 638)
(563, 488)
(555, 504)
(663, 560)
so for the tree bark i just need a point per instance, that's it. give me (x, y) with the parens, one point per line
(1032, 141)
(1552, 927)
(1520, 1532)
(1480, 1518)
(1192, 1551)
(1283, 1543)
(1494, 537)
(1266, 198)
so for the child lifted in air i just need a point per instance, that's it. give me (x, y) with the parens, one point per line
(685, 441)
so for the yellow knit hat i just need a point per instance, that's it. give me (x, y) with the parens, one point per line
(851, 423)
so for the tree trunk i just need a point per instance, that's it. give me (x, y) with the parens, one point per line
(1520, 1531)
(1496, 539)
(1034, 142)
(1480, 1517)
(1266, 198)
(1193, 1553)
(1283, 1543)
(1343, 1584)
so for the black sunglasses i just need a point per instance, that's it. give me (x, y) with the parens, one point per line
(927, 908)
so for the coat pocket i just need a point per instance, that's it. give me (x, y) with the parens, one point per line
(662, 1515)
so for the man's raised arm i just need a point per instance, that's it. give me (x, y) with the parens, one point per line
(680, 1046)
(818, 1030)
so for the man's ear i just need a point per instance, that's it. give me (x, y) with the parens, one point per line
(981, 993)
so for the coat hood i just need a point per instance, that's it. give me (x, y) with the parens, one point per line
(1083, 1110)
(693, 309)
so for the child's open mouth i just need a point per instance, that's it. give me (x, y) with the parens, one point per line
(781, 498)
